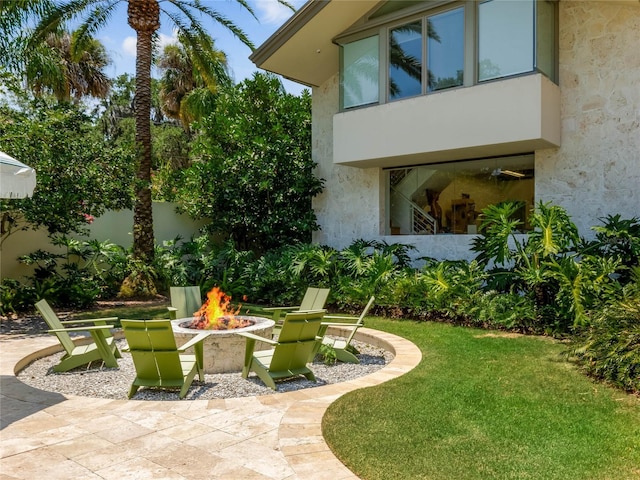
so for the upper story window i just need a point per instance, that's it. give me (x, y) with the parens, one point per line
(360, 72)
(405, 60)
(457, 43)
(445, 49)
(505, 38)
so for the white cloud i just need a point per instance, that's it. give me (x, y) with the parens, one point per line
(164, 40)
(129, 46)
(272, 12)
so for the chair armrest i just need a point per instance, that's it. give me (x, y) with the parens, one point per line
(339, 324)
(341, 317)
(257, 337)
(273, 309)
(197, 339)
(90, 320)
(82, 329)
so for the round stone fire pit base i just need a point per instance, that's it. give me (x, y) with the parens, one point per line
(224, 349)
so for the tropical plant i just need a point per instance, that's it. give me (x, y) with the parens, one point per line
(367, 268)
(315, 264)
(538, 263)
(450, 284)
(609, 349)
(52, 67)
(82, 273)
(14, 15)
(144, 17)
(619, 239)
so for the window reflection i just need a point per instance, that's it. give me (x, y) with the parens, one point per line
(360, 72)
(445, 50)
(430, 53)
(505, 38)
(405, 61)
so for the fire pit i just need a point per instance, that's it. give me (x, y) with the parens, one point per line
(223, 349)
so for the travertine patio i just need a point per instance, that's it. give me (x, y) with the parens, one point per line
(48, 435)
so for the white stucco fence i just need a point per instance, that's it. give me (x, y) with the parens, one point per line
(113, 226)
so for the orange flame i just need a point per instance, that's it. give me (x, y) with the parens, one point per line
(217, 313)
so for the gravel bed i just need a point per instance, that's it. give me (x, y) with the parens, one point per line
(97, 381)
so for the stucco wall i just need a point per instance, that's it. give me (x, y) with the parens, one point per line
(113, 226)
(595, 172)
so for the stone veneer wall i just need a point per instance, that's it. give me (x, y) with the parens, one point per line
(350, 205)
(595, 172)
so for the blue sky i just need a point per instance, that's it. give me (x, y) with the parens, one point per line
(119, 38)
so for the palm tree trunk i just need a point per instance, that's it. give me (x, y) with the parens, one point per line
(144, 18)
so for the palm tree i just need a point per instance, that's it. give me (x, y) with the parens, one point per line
(144, 17)
(188, 86)
(14, 15)
(53, 67)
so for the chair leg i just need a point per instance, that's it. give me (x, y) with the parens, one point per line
(105, 350)
(310, 376)
(344, 356)
(133, 390)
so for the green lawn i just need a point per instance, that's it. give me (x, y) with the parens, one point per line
(483, 405)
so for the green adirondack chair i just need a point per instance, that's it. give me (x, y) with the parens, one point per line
(291, 351)
(158, 362)
(342, 345)
(103, 346)
(314, 299)
(185, 301)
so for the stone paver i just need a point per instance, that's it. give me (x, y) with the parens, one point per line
(272, 437)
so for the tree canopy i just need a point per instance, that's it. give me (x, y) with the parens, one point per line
(79, 176)
(253, 175)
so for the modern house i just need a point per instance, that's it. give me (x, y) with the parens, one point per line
(425, 112)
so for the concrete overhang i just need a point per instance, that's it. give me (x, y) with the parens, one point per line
(302, 49)
(506, 117)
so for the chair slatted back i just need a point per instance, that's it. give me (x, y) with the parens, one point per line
(187, 300)
(153, 349)
(54, 324)
(314, 299)
(296, 341)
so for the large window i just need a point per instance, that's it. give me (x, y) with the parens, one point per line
(457, 43)
(448, 198)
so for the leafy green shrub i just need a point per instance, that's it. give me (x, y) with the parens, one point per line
(609, 350)
(15, 296)
(492, 309)
(84, 272)
(327, 354)
(272, 278)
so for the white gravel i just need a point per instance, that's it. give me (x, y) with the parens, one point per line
(97, 381)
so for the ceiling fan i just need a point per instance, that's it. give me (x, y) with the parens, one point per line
(498, 171)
